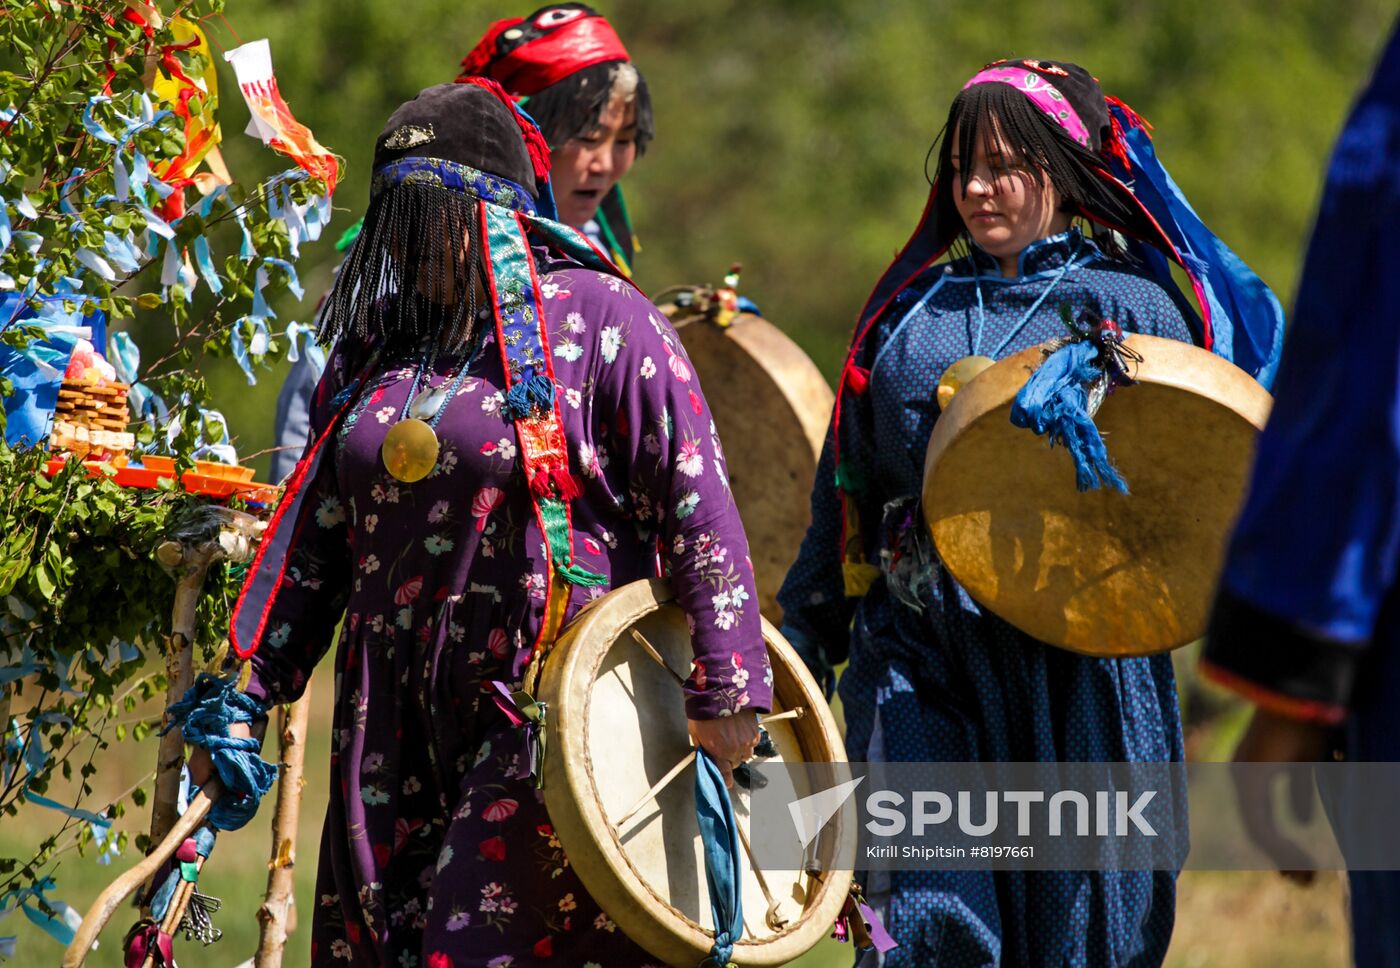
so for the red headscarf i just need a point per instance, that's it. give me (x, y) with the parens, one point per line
(527, 55)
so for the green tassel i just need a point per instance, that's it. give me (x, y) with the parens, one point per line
(848, 479)
(556, 537)
(348, 237)
(556, 526)
(577, 575)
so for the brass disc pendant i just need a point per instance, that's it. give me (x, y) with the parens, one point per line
(957, 375)
(410, 450)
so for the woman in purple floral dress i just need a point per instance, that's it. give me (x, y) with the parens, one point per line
(437, 850)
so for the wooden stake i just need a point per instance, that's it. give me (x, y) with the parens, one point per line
(275, 915)
(179, 672)
(119, 890)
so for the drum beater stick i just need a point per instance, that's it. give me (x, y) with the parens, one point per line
(774, 921)
(797, 712)
(641, 640)
(655, 791)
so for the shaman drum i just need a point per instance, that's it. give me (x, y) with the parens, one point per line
(1101, 572)
(617, 729)
(771, 407)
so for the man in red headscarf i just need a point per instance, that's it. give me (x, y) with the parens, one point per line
(571, 73)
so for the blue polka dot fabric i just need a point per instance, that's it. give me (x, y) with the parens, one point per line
(947, 682)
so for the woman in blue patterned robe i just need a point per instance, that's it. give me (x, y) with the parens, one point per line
(932, 676)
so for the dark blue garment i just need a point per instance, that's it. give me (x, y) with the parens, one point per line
(947, 682)
(1308, 620)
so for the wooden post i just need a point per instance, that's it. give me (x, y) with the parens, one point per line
(191, 563)
(232, 539)
(277, 914)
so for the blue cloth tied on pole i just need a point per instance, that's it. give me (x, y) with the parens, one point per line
(204, 715)
(719, 832)
(1055, 404)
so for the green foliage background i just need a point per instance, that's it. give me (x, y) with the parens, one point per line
(791, 137)
(791, 134)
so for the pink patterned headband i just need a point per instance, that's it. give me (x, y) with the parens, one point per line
(1045, 95)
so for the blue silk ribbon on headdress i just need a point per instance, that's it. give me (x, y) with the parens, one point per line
(454, 177)
(1246, 318)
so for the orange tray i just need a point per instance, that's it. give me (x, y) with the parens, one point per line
(202, 484)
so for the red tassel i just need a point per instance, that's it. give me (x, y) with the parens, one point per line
(535, 144)
(538, 149)
(858, 379)
(1117, 144)
(539, 483)
(1135, 120)
(564, 483)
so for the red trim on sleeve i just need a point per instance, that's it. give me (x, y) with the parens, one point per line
(1311, 710)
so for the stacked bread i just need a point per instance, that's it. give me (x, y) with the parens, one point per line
(91, 420)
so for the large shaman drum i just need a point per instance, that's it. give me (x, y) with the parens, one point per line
(1101, 572)
(616, 729)
(771, 407)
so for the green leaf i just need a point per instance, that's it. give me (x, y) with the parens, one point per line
(43, 580)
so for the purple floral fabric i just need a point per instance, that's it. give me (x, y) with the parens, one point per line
(437, 850)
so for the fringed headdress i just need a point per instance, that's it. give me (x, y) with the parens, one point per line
(458, 197)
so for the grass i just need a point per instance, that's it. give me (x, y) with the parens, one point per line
(1224, 919)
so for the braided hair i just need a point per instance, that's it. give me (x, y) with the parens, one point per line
(414, 277)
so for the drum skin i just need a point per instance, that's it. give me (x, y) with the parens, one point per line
(616, 725)
(771, 407)
(1101, 573)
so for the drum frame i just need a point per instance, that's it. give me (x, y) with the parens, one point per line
(571, 789)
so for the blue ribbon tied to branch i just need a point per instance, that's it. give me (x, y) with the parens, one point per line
(204, 715)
